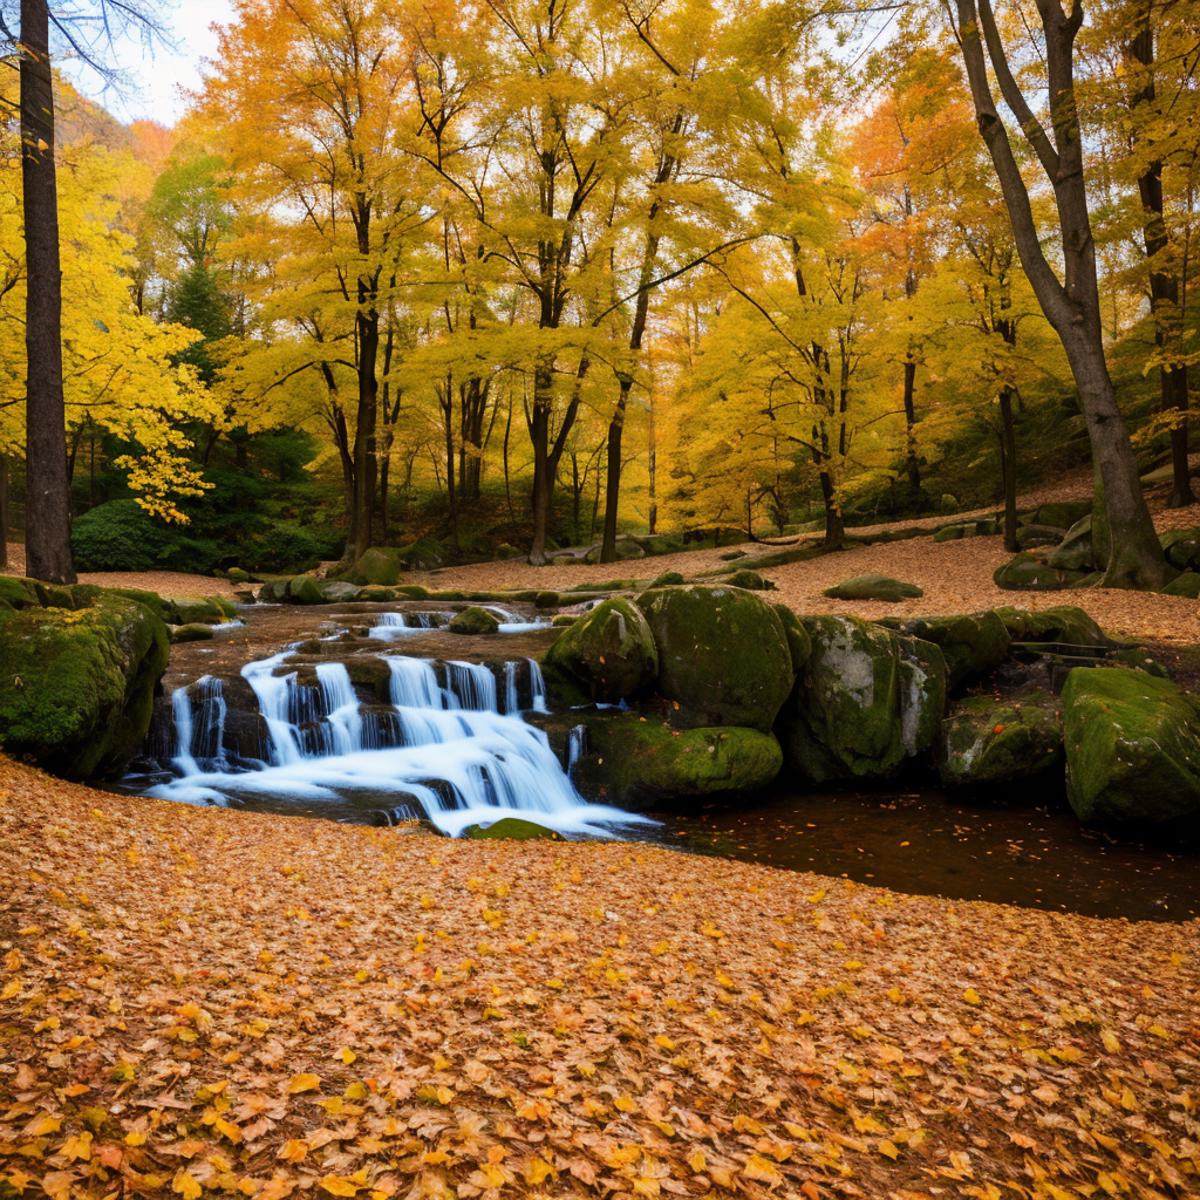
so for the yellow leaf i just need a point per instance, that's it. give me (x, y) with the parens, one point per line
(347, 1055)
(135, 1137)
(887, 1148)
(538, 1171)
(43, 1125)
(762, 1170)
(1111, 1042)
(697, 1161)
(971, 996)
(625, 1104)
(78, 1146)
(303, 1083)
(338, 1185)
(186, 1186)
(665, 1042)
(227, 1129)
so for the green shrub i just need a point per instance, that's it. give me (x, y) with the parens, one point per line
(120, 536)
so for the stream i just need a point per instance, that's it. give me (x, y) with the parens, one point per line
(374, 715)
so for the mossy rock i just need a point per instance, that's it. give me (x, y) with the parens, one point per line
(1076, 552)
(77, 686)
(1033, 537)
(1062, 514)
(973, 646)
(1186, 585)
(18, 593)
(425, 554)
(412, 591)
(1064, 623)
(669, 579)
(545, 600)
(474, 621)
(564, 620)
(799, 642)
(379, 567)
(180, 634)
(1028, 573)
(512, 829)
(951, 533)
(377, 595)
(305, 589)
(608, 654)
(1133, 747)
(985, 741)
(1182, 548)
(723, 654)
(208, 611)
(1139, 660)
(868, 700)
(165, 610)
(635, 762)
(661, 543)
(874, 587)
(338, 591)
(751, 581)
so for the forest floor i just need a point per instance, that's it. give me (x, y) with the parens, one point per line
(201, 1001)
(174, 585)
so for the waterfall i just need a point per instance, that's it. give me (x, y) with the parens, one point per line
(538, 684)
(577, 746)
(443, 748)
(203, 739)
(396, 624)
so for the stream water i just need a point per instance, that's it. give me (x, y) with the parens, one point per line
(445, 737)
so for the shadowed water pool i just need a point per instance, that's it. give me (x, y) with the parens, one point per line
(929, 844)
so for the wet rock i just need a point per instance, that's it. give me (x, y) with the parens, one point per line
(635, 762)
(474, 621)
(512, 829)
(1133, 747)
(985, 741)
(874, 587)
(723, 654)
(191, 633)
(868, 700)
(77, 687)
(607, 655)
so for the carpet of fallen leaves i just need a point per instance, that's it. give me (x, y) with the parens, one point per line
(197, 1002)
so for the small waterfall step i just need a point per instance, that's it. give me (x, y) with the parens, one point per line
(451, 746)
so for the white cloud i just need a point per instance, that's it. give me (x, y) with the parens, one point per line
(154, 79)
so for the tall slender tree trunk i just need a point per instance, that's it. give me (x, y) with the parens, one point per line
(539, 436)
(1164, 284)
(47, 490)
(365, 450)
(912, 460)
(653, 468)
(4, 516)
(1008, 469)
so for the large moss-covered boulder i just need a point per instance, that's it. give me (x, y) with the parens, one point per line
(196, 632)
(474, 621)
(875, 587)
(607, 655)
(985, 741)
(305, 589)
(1062, 514)
(1133, 747)
(18, 593)
(1186, 585)
(1182, 548)
(868, 700)
(752, 581)
(379, 566)
(634, 762)
(1028, 573)
(799, 641)
(973, 646)
(723, 654)
(77, 685)
(1030, 537)
(1076, 551)
(1063, 624)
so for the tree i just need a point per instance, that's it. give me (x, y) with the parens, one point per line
(1072, 304)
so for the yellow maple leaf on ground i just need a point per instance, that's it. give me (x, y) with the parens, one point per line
(303, 1083)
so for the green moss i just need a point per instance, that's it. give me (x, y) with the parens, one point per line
(474, 621)
(304, 589)
(974, 646)
(512, 829)
(751, 581)
(18, 593)
(868, 700)
(413, 591)
(190, 633)
(1076, 553)
(77, 687)
(1182, 548)
(723, 654)
(1062, 514)
(608, 654)
(546, 600)
(1026, 573)
(379, 567)
(668, 579)
(1186, 585)
(634, 761)
(1133, 747)
(987, 741)
(1063, 623)
(799, 642)
(874, 587)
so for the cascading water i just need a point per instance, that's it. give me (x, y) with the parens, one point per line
(445, 750)
(200, 740)
(393, 625)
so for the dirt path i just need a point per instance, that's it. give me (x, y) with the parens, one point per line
(199, 1001)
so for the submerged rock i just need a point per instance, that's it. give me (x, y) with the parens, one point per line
(474, 621)
(868, 700)
(607, 655)
(636, 762)
(987, 741)
(77, 686)
(1133, 747)
(723, 654)
(874, 587)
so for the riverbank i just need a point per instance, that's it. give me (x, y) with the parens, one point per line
(197, 1000)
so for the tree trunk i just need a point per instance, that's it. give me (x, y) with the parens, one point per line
(364, 432)
(3, 512)
(1008, 470)
(47, 491)
(912, 461)
(539, 436)
(1164, 285)
(653, 467)
(612, 486)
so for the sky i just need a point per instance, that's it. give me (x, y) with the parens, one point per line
(153, 78)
